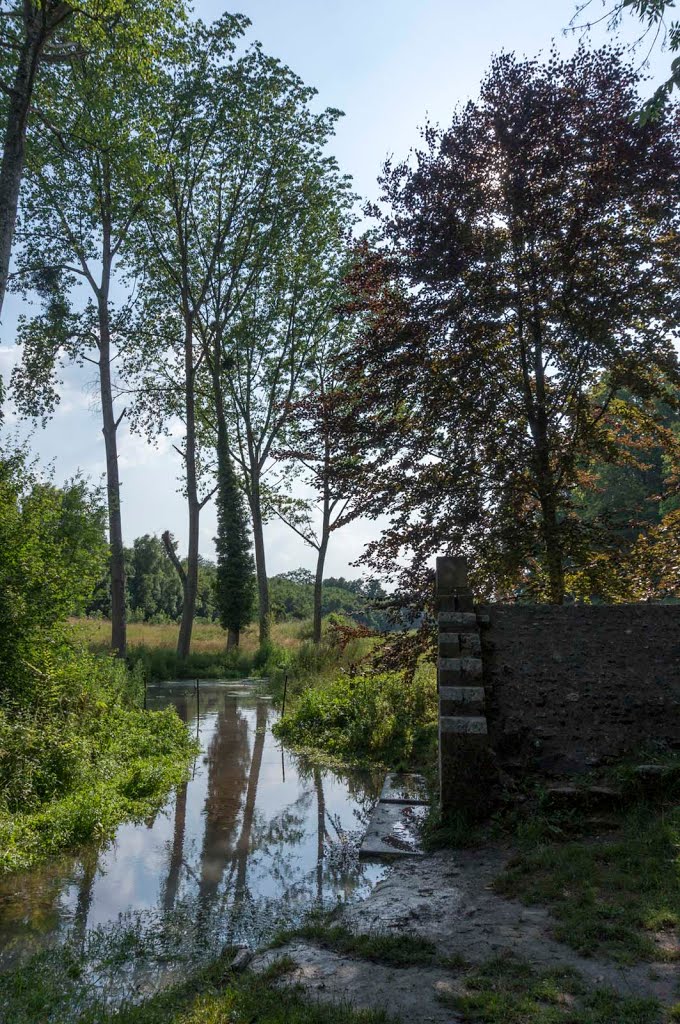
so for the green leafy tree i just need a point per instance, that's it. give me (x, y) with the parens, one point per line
(39, 36)
(315, 447)
(52, 551)
(265, 225)
(86, 186)
(176, 262)
(235, 577)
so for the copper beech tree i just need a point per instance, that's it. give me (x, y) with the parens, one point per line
(526, 259)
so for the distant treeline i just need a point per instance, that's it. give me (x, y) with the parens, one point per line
(154, 592)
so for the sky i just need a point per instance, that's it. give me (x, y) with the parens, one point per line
(390, 65)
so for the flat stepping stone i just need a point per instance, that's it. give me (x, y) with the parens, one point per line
(394, 831)
(400, 788)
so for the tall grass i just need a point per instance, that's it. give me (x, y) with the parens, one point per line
(153, 647)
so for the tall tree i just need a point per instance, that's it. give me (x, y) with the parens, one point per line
(86, 185)
(57, 32)
(277, 205)
(316, 448)
(235, 578)
(529, 256)
(275, 335)
(177, 261)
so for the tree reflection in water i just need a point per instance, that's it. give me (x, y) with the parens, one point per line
(254, 839)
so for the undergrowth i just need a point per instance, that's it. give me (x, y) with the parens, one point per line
(402, 950)
(609, 895)
(81, 758)
(371, 718)
(212, 996)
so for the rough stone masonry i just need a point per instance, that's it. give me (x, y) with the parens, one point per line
(568, 688)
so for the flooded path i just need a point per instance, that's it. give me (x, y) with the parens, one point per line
(250, 843)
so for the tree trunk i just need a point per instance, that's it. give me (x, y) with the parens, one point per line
(233, 639)
(318, 584)
(110, 427)
(190, 579)
(260, 557)
(553, 548)
(39, 23)
(14, 150)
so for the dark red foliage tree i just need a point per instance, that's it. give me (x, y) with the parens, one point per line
(526, 258)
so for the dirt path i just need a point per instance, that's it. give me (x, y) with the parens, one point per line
(447, 899)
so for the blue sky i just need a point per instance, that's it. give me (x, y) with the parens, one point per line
(389, 65)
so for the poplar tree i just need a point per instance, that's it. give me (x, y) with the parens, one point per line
(86, 186)
(235, 581)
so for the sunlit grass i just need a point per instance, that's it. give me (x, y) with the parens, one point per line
(207, 637)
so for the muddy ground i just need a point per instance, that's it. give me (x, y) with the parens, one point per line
(447, 898)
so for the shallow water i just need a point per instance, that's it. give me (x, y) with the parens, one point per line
(254, 840)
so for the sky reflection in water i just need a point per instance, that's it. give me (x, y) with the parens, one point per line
(253, 840)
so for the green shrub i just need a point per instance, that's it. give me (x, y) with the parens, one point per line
(370, 717)
(72, 769)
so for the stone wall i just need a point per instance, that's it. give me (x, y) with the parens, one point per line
(570, 687)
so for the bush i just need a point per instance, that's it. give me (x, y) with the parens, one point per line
(81, 757)
(375, 718)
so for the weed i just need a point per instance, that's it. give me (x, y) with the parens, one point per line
(211, 996)
(72, 770)
(374, 718)
(608, 896)
(507, 990)
(403, 950)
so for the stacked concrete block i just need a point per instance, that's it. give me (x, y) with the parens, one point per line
(466, 770)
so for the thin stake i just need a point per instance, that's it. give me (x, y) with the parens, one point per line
(285, 690)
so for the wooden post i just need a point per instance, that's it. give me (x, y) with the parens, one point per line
(465, 762)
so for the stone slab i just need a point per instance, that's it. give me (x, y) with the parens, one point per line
(394, 831)
(469, 644)
(467, 666)
(462, 694)
(463, 724)
(461, 620)
(402, 788)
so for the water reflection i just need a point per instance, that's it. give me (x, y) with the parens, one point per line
(248, 844)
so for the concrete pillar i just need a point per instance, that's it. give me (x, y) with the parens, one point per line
(466, 771)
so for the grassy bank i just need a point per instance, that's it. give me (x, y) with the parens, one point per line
(81, 757)
(369, 718)
(54, 990)
(618, 895)
(153, 647)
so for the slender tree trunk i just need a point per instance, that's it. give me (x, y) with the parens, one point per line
(171, 886)
(14, 148)
(550, 530)
(110, 427)
(233, 639)
(320, 832)
(553, 547)
(40, 21)
(243, 843)
(190, 578)
(260, 556)
(318, 583)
